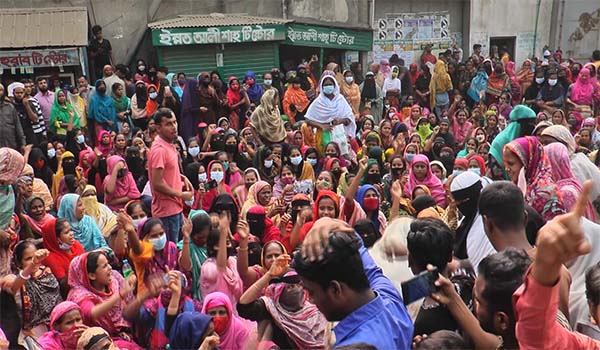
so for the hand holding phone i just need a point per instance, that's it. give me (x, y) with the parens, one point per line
(420, 286)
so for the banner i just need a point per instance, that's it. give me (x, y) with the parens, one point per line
(39, 58)
(337, 38)
(217, 35)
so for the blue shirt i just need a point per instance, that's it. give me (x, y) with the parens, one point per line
(384, 321)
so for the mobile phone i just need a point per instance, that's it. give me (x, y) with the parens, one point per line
(181, 277)
(210, 185)
(420, 286)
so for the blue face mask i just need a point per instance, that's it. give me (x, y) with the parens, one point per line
(80, 139)
(328, 89)
(160, 242)
(268, 82)
(409, 157)
(312, 161)
(51, 153)
(194, 151)
(202, 177)
(476, 171)
(225, 166)
(217, 176)
(268, 164)
(296, 160)
(457, 172)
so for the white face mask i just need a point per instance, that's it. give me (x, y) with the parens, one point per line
(268, 82)
(539, 80)
(194, 151)
(217, 176)
(296, 160)
(51, 153)
(64, 246)
(136, 222)
(142, 68)
(202, 177)
(268, 163)
(552, 82)
(80, 139)
(349, 80)
(480, 138)
(153, 95)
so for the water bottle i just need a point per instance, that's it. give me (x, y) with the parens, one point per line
(127, 270)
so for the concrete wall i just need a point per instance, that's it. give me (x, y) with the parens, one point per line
(509, 18)
(578, 28)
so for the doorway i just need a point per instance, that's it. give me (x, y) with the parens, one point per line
(504, 43)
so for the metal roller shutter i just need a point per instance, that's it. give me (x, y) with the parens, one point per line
(189, 59)
(257, 57)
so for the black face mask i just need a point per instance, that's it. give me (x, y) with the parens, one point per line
(254, 249)
(373, 178)
(135, 165)
(101, 91)
(397, 172)
(230, 148)
(121, 173)
(337, 173)
(467, 208)
(69, 167)
(294, 215)
(257, 224)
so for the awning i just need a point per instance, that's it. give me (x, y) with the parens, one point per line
(43, 27)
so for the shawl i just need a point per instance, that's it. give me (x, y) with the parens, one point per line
(352, 94)
(431, 181)
(190, 104)
(511, 132)
(497, 84)
(51, 340)
(324, 110)
(233, 96)
(297, 98)
(124, 186)
(86, 230)
(252, 197)
(60, 174)
(583, 89)
(569, 187)
(80, 106)
(384, 68)
(424, 132)
(226, 281)
(478, 85)
(460, 132)
(89, 156)
(151, 105)
(82, 291)
(307, 328)
(35, 225)
(414, 75)
(60, 114)
(104, 149)
(58, 260)
(198, 256)
(122, 103)
(266, 119)
(241, 192)
(101, 107)
(104, 217)
(11, 165)
(238, 331)
(254, 91)
(542, 193)
(378, 218)
(188, 329)
(174, 85)
(525, 76)
(440, 81)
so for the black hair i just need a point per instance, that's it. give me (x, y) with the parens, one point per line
(443, 339)
(163, 69)
(96, 29)
(71, 183)
(84, 77)
(200, 222)
(115, 86)
(502, 202)
(148, 225)
(212, 240)
(430, 241)
(422, 202)
(535, 221)
(59, 225)
(180, 73)
(37, 81)
(135, 204)
(503, 273)
(596, 55)
(340, 262)
(20, 249)
(161, 113)
(592, 284)
(286, 166)
(92, 260)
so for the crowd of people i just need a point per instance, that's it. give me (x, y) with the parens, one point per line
(154, 210)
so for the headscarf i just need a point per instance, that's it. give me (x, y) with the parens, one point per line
(86, 230)
(233, 96)
(95, 334)
(415, 75)
(441, 165)
(11, 165)
(324, 110)
(101, 108)
(369, 89)
(466, 186)
(307, 327)
(266, 118)
(254, 91)
(384, 68)
(352, 94)
(124, 186)
(151, 105)
(424, 131)
(188, 329)
(141, 94)
(583, 89)
(570, 189)
(512, 131)
(238, 331)
(431, 181)
(88, 155)
(104, 217)
(104, 149)
(541, 191)
(174, 85)
(60, 174)
(58, 260)
(82, 291)
(481, 163)
(360, 197)
(440, 81)
(60, 113)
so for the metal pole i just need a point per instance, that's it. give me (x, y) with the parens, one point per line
(537, 16)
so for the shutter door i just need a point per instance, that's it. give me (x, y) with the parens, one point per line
(257, 57)
(189, 59)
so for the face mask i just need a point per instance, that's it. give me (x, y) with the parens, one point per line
(371, 204)
(64, 246)
(480, 138)
(423, 128)
(268, 82)
(235, 87)
(287, 180)
(467, 208)
(181, 81)
(160, 242)
(39, 164)
(396, 171)
(409, 157)
(476, 171)
(217, 176)
(70, 337)
(220, 323)
(312, 161)
(153, 95)
(80, 139)
(394, 75)
(230, 148)
(552, 82)
(373, 178)
(324, 184)
(121, 173)
(349, 80)
(136, 222)
(250, 81)
(202, 177)
(101, 91)
(51, 153)
(268, 163)
(539, 80)
(296, 160)
(457, 172)
(194, 151)
(337, 172)
(328, 89)
(142, 68)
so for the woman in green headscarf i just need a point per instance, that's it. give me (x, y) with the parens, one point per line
(423, 130)
(122, 104)
(60, 114)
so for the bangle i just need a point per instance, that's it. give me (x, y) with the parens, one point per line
(243, 249)
(186, 241)
(23, 277)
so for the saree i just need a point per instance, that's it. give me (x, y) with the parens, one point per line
(430, 181)
(86, 230)
(297, 98)
(58, 260)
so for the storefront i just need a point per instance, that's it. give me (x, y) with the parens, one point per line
(229, 44)
(55, 50)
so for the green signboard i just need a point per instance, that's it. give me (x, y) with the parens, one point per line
(336, 38)
(218, 35)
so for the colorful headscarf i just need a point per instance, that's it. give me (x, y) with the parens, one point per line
(238, 330)
(431, 181)
(86, 230)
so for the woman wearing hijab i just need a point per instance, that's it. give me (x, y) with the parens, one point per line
(392, 87)
(371, 97)
(208, 101)
(138, 105)
(529, 168)
(122, 105)
(525, 75)
(420, 174)
(62, 115)
(79, 104)
(102, 215)
(174, 85)
(583, 94)
(368, 198)
(234, 332)
(85, 228)
(102, 297)
(253, 89)
(191, 331)
(66, 167)
(62, 245)
(66, 326)
(215, 171)
(238, 101)
(295, 101)
(119, 185)
(266, 119)
(351, 92)
(101, 109)
(328, 110)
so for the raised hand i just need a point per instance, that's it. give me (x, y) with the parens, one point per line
(280, 265)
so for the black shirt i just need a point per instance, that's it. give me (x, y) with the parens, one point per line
(102, 52)
(257, 311)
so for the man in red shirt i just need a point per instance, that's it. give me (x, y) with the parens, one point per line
(169, 188)
(427, 56)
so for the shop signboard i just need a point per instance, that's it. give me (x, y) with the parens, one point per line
(218, 35)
